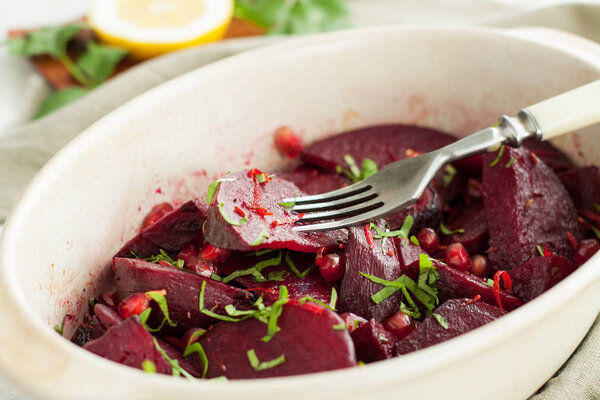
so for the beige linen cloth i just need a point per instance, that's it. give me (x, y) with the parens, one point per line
(25, 149)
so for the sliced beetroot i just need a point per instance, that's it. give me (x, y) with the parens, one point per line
(383, 144)
(129, 343)
(313, 180)
(427, 211)
(183, 362)
(106, 316)
(583, 184)
(550, 155)
(356, 290)
(472, 221)
(372, 342)
(309, 339)
(539, 274)
(525, 206)
(461, 317)
(170, 233)
(454, 284)
(408, 256)
(352, 321)
(183, 288)
(247, 204)
(312, 284)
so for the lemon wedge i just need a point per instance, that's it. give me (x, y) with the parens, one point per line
(151, 27)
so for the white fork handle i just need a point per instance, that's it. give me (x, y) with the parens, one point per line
(568, 111)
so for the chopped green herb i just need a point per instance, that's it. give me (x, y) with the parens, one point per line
(334, 296)
(196, 347)
(402, 232)
(176, 370)
(149, 367)
(383, 338)
(255, 270)
(439, 318)
(339, 327)
(58, 99)
(261, 252)
(509, 163)
(288, 204)
(489, 282)
(449, 232)
(415, 313)
(360, 363)
(162, 256)
(228, 219)
(92, 302)
(212, 188)
(162, 305)
(276, 309)
(449, 174)
(292, 266)
(211, 313)
(356, 323)
(330, 306)
(261, 366)
(99, 61)
(278, 275)
(539, 250)
(596, 231)
(414, 240)
(260, 238)
(354, 173)
(554, 270)
(498, 157)
(215, 277)
(60, 329)
(597, 207)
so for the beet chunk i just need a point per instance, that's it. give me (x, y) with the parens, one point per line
(550, 155)
(183, 289)
(583, 184)
(307, 340)
(312, 284)
(129, 343)
(372, 342)
(472, 221)
(461, 318)
(525, 206)
(246, 198)
(106, 316)
(427, 211)
(170, 233)
(313, 180)
(356, 290)
(539, 274)
(383, 144)
(455, 284)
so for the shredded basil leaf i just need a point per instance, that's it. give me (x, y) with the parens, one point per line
(60, 329)
(162, 256)
(339, 327)
(450, 173)
(596, 231)
(439, 318)
(149, 367)
(292, 266)
(212, 188)
(498, 157)
(509, 163)
(354, 173)
(261, 366)
(333, 300)
(176, 370)
(278, 275)
(162, 304)
(539, 249)
(414, 240)
(276, 309)
(228, 219)
(196, 347)
(255, 270)
(260, 238)
(449, 232)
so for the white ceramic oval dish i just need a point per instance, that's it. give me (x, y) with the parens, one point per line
(91, 197)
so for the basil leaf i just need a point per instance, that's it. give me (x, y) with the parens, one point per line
(261, 366)
(52, 41)
(99, 61)
(58, 99)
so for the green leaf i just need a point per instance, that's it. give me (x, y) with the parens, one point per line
(439, 318)
(333, 300)
(162, 256)
(256, 269)
(449, 232)
(414, 240)
(278, 275)
(176, 370)
(149, 367)
(162, 304)
(212, 188)
(195, 347)
(261, 237)
(261, 366)
(449, 174)
(99, 61)
(60, 329)
(369, 167)
(276, 309)
(52, 41)
(292, 266)
(539, 249)
(339, 327)
(498, 157)
(58, 99)
(354, 173)
(231, 221)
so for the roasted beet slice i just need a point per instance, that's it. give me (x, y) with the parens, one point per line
(170, 233)
(366, 255)
(129, 343)
(472, 221)
(312, 284)
(313, 180)
(183, 288)
(311, 339)
(455, 284)
(461, 317)
(525, 206)
(184, 363)
(427, 211)
(583, 184)
(245, 215)
(106, 316)
(539, 274)
(550, 155)
(408, 255)
(383, 144)
(372, 342)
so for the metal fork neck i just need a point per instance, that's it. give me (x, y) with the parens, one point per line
(518, 129)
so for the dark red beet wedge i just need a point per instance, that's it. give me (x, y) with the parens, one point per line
(583, 184)
(585, 250)
(308, 341)
(383, 144)
(129, 343)
(183, 288)
(550, 155)
(461, 317)
(106, 316)
(356, 290)
(539, 274)
(455, 284)
(157, 212)
(427, 211)
(472, 221)
(372, 342)
(408, 255)
(313, 180)
(226, 227)
(525, 206)
(170, 233)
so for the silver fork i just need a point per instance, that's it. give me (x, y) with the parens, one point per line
(400, 184)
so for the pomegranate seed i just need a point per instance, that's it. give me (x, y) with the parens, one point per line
(428, 240)
(157, 212)
(109, 299)
(200, 267)
(457, 257)
(133, 304)
(587, 248)
(400, 324)
(330, 267)
(188, 251)
(480, 266)
(353, 321)
(288, 143)
(215, 255)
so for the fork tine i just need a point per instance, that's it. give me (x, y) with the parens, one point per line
(336, 204)
(346, 222)
(344, 212)
(351, 190)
